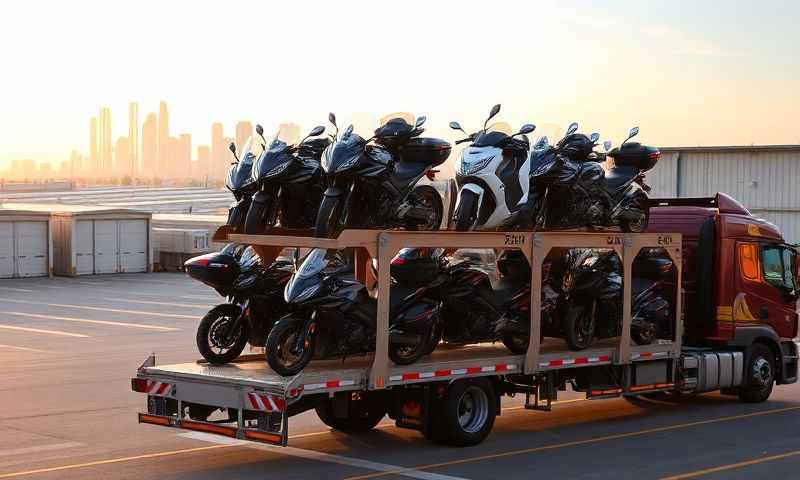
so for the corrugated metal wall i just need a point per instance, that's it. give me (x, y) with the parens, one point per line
(765, 180)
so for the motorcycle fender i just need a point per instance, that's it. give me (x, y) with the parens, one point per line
(334, 191)
(418, 318)
(262, 197)
(476, 189)
(238, 210)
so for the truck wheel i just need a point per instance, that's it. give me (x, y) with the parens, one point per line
(364, 413)
(467, 412)
(759, 374)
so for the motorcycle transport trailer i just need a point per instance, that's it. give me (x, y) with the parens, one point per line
(452, 395)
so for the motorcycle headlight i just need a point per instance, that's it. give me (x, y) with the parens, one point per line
(307, 293)
(277, 169)
(347, 164)
(468, 168)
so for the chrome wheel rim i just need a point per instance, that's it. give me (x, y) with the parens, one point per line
(762, 373)
(473, 409)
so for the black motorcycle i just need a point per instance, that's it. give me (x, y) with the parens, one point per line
(255, 299)
(289, 180)
(592, 292)
(334, 316)
(241, 185)
(473, 308)
(372, 182)
(571, 189)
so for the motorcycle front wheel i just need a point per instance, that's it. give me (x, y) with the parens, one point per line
(580, 325)
(328, 224)
(466, 211)
(260, 217)
(285, 354)
(222, 334)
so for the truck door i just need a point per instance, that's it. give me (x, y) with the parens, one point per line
(768, 287)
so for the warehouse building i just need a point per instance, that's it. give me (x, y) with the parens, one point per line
(764, 178)
(26, 243)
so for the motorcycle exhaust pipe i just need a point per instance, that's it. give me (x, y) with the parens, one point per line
(402, 338)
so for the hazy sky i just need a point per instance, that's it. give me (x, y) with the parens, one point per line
(686, 72)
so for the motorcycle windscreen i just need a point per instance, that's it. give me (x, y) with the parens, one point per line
(344, 154)
(494, 135)
(307, 280)
(239, 175)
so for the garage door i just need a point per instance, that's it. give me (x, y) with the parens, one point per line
(84, 247)
(106, 252)
(6, 249)
(32, 243)
(133, 245)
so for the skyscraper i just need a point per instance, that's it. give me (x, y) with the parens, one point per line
(217, 152)
(106, 143)
(94, 155)
(149, 145)
(183, 160)
(133, 139)
(243, 131)
(163, 139)
(122, 156)
(200, 170)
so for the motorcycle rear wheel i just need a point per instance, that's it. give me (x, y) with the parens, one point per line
(516, 343)
(635, 226)
(430, 198)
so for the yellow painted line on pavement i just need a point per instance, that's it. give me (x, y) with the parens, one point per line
(40, 330)
(576, 443)
(112, 460)
(732, 466)
(86, 320)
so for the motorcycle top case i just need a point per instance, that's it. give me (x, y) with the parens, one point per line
(218, 269)
(430, 151)
(635, 154)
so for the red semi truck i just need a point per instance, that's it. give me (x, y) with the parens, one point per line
(734, 333)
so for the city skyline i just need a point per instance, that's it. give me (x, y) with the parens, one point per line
(163, 156)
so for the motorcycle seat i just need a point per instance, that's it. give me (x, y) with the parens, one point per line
(405, 170)
(619, 177)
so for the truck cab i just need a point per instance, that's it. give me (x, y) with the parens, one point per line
(740, 278)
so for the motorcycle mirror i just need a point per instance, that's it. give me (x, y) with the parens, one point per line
(633, 132)
(316, 131)
(494, 111)
(232, 148)
(572, 128)
(594, 137)
(527, 128)
(259, 129)
(456, 126)
(420, 120)
(332, 118)
(607, 145)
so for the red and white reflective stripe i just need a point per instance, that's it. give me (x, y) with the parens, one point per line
(328, 385)
(641, 355)
(503, 367)
(159, 388)
(561, 362)
(265, 403)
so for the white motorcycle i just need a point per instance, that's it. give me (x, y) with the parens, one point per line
(492, 175)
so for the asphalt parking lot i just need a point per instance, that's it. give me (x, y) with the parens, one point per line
(68, 348)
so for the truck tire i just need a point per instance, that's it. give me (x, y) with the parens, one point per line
(466, 414)
(759, 374)
(364, 413)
